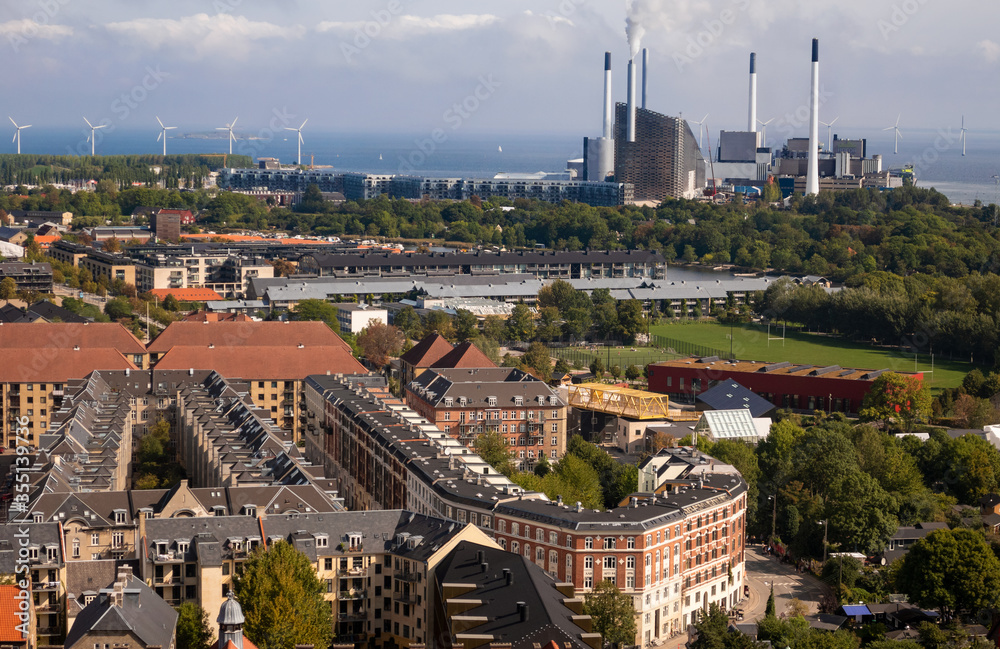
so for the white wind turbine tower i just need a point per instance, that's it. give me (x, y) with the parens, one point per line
(232, 138)
(898, 135)
(829, 132)
(701, 128)
(962, 136)
(17, 135)
(163, 134)
(299, 131)
(92, 129)
(763, 131)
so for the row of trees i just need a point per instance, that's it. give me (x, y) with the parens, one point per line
(118, 170)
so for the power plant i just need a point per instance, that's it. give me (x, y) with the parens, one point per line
(812, 171)
(657, 155)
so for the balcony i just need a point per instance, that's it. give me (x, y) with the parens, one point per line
(354, 572)
(355, 616)
(49, 630)
(405, 598)
(353, 594)
(406, 575)
(39, 586)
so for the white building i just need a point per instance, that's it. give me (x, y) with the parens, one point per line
(355, 317)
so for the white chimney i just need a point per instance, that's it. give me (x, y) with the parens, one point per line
(607, 96)
(630, 131)
(645, 71)
(753, 93)
(812, 171)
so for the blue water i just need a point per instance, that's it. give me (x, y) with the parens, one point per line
(937, 155)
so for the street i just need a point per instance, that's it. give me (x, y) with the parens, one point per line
(763, 570)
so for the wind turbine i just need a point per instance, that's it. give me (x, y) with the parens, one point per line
(163, 134)
(701, 128)
(92, 129)
(232, 138)
(962, 136)
(763, 130)
(829, 132)
(898, 135)
(299, 131)
(17, 135)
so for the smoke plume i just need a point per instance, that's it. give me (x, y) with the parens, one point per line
(635, 10)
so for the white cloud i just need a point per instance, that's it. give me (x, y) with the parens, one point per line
(408, 25)
(990, 50)
(27, 29)
(202, 34)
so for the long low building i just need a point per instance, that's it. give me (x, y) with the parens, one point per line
(786, 385)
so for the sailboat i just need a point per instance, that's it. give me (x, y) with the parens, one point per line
(380, 156)
(500, 149)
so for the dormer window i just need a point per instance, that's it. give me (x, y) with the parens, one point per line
(119, 516)
(182, 547)
(449, 402)
(52, 553)
(462, 401)
(553, 400)
(541, 399)
(491, 401)
(37, 517)
(250, 510)
(322, 541)
(518, 401)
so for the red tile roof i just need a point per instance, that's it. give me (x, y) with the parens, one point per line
(287, 362)
(464, 355)
(246, 335)
(429, 350)
(209, 316)
(65, 335)
(188, 294)
(8, 612)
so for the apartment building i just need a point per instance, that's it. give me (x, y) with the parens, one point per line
(41, 358)
(46, 570)
(228, 274)
(273, 357)
(465, 403)
(385, 455)
(28, 277)
(675, 550)
(354, 318)
(109, 266)
(543, 264)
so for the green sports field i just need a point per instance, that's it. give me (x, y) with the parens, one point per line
(751, 343)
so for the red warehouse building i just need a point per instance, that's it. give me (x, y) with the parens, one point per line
(786, 385)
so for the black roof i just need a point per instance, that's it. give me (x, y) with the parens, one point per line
(547, 620)
(142, 612)
(478, 257)
(730, 395)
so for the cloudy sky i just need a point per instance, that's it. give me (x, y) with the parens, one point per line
(402, 65)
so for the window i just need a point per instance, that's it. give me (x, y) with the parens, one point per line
(609, 543)
(95, 539)
(322, 541)
(609, 562)
(76, 548)
(515, 547)
(588, 563)
(117, 539)
(328, 563)
(588, 543)
(630, 543)
(630, 563)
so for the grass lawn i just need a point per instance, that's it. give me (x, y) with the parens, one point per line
(751, 343)
(620, 356)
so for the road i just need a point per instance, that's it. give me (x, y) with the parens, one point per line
(764, 570)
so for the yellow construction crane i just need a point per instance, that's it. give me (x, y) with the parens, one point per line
(224, 156)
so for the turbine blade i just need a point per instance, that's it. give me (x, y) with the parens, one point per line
(12, 120)
(898, 134)
(291, 129)
(834, 120)
(234, 122)
(88, 122)
(158, 120)
(304, 123)
(101, 126)
(221, 128)
(888, 128)
(301, 141)
(26, 126)
(159, 136)
(897, 118)
(15, 136)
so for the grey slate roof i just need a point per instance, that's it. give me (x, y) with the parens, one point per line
(477, 385)
(143, 613)
(730, 395)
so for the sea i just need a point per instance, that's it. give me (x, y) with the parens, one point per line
(935, 154)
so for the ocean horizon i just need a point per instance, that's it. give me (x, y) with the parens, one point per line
(935, 154)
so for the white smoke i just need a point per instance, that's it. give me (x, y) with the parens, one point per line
(635, 12)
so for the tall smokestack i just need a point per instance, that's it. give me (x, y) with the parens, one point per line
(630, 132)
(753, 93)
(812, 171)
(607, 96)
(645, 72)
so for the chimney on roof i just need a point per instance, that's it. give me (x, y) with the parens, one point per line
(508, 577)
(579, 507)
(522, 611)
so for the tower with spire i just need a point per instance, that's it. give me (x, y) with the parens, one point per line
(231, 625)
